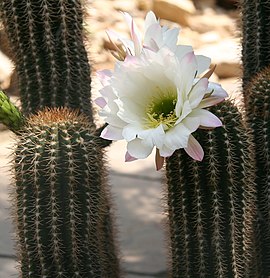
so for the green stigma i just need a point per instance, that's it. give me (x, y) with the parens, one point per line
(161, 110)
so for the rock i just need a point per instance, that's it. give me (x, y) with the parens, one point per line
(225, 55)
(144, 5)
(202, 4)
(210, 20)
(124, 6)
(178, 11)
(6, 69)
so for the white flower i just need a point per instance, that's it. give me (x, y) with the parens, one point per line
(155, 37)
(156, 100)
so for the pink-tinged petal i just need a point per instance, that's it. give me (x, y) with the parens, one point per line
(136, 39)
(182, 50)
(129, 158)
(104, 76)
(194, 149)
(186, 72)
(210, 101)
(101, 102)
(207, 118)
(131, 60)
(137, 148)
(159, 160)
(135, 34)
(216, 90)
(111, 133)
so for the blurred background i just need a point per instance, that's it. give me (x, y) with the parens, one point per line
(212, 28)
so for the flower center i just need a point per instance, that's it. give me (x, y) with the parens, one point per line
(161, 110)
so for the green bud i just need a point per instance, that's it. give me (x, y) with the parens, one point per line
(10, 114)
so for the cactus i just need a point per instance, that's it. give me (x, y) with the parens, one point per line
(61, 198)
(10, 114)
(255, 38)
(256, 80)
(211, 204)
(257, 106)
(46, 37)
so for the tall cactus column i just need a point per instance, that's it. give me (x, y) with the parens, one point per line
(211, 204)
(50, 57)
(256, 80)
(257, 106)
(46, 37)
(60, 198)
(255, 37)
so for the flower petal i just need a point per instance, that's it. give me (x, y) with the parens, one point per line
(177, 137)
(154, 136)
(203, 63)
(218, 91)
(138, 149)
(207, 119)
(104, 76)
(129, 158)
(135, 34)
(194, 149)
(101, 102)
(111, 133)
(192, 123)
(165, 151)
(186, 72)
(150, 19)
(130, 132)
(210, 101)
(197, 93)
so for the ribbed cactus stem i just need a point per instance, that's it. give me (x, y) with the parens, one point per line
(10, 115)
(255, 37)
(61, 199)
(211, 204)
(257, 106)
(47, 39)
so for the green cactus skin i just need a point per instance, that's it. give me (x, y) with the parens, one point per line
(257, 109)
(61, 198)
(211, 204)
(10, 114)
(255, 37)
(46, 37)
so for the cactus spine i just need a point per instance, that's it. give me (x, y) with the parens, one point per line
(211, 204)
(60, 197)
(257, 106)
(47, 41)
